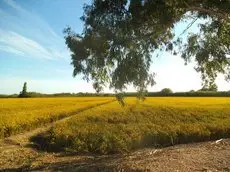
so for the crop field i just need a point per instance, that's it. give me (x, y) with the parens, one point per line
(155, 122)
(18, 115)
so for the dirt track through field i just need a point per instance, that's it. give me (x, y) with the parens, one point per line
(23, 138)
(17, 154)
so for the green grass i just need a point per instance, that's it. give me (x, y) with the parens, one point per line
(155, 122)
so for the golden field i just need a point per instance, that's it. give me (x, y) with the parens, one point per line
(157, 121)
(18, 115)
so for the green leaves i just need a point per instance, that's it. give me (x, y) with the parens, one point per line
(119, 36)
(210, 49)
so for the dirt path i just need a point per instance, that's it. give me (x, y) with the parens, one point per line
(23, 138)
(17, 154)
(206, 156)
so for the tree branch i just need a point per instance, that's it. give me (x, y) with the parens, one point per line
(221, 15)
(189, 25)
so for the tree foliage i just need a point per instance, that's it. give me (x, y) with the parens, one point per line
(166, 91)
(120, 36)
(212, 87)
(24, 93)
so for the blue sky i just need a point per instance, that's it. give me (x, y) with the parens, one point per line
(32, 49)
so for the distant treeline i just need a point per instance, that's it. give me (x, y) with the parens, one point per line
(128, 94)
(35, 94)
(8, 96)
(185, 94)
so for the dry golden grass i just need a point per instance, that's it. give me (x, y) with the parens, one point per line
(155, 122)
(18, 115)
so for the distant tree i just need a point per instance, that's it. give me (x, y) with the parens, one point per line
(24, 93)
(166, 91)
(24, 89)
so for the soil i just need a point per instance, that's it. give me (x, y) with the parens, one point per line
(17, 153)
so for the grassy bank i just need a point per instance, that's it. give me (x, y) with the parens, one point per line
(155, 122)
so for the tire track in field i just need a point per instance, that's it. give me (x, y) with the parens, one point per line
(22, 139)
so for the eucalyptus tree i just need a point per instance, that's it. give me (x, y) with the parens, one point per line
(120, 36)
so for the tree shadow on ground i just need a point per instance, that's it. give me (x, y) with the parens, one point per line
(56, 159)
(75, 162)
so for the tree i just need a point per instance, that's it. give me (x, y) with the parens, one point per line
(24, 93)
(166, 91)
(120, 36)
(212, 87)
(24, 89)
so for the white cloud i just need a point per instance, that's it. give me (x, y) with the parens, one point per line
(25, 33)
(11, 50)
(36, 19)
(20, 45)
